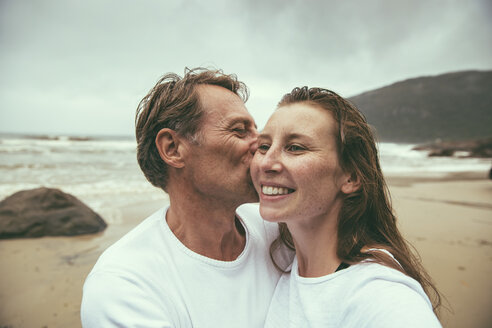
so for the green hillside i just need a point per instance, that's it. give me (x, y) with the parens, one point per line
(453, 106)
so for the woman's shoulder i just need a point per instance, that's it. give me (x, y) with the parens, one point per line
(372, 274)
(388, 295)
(367, 294)
(378, 283)
(381, 255)
(370, 271)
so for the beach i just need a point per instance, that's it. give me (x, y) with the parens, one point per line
(444, 208)
(448, 220)
(42, 278)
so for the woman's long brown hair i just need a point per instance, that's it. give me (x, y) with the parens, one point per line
(366, 219)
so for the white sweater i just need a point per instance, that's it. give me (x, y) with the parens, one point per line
(363, 295)
(150, 279)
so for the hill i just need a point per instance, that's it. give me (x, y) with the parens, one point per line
(453, 106)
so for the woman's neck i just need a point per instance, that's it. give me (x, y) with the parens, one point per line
(316, 246)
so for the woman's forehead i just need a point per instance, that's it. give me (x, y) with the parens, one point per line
(300, 115)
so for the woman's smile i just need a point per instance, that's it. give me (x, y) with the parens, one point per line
(295, 169)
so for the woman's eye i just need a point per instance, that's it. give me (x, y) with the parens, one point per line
(295, 148)
(263, 148)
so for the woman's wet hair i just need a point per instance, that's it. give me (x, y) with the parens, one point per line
(366, 220)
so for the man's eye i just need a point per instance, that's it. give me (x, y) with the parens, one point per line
(240, 131)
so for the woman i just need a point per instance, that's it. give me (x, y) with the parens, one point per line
(317, 173)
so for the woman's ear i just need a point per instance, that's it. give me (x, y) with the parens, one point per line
(351, 184)
(170, 147)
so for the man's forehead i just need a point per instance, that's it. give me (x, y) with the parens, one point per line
(221, 103)
(230, 118)
(213, 94)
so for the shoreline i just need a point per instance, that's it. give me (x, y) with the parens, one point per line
(447, 218)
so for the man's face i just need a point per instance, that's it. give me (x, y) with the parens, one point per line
(219, 162)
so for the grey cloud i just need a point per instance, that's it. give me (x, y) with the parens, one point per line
(107, 54)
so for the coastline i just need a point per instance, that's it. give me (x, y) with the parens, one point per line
(447, 218)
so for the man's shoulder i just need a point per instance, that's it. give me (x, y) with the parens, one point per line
(133, 246)
(131, 269)
(250, 216)
(249, 210)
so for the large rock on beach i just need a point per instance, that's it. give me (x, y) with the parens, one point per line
(46, 212)
(479, 148)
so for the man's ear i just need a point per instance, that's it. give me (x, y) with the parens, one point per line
(351, 184)
(170, 147)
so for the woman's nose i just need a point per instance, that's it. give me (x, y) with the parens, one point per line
(271, 161)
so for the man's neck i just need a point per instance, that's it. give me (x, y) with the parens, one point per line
(209, 229)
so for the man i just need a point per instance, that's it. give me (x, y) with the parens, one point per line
(198, 262)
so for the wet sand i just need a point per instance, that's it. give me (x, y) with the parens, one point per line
(448, 220)
(450, 224)
(41, 279)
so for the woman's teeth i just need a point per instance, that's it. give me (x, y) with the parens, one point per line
(268, 190)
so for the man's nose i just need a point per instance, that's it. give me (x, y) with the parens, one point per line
(254, 141)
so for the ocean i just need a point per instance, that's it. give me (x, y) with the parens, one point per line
(102, 171)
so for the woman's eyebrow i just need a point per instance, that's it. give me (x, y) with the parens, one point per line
(264, 136)
(295, 136)
(287, 138)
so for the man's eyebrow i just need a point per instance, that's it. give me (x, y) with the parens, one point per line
(243, 120)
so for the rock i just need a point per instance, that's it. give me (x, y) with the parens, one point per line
(441, 152)
(479, 148)
(46, 212)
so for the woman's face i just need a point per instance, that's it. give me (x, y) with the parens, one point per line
(295, 169)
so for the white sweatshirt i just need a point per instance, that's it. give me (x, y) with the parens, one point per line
(150, 279)
(363, 295)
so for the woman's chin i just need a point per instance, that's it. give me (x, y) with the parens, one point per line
(270, 215)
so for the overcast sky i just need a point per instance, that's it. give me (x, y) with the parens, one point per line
(81, 67)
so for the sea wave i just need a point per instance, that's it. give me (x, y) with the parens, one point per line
(95, 170)
(47, 146)
(401, 158)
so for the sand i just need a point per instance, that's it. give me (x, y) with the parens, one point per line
(450, 224)
(41, 279)
(448, 220)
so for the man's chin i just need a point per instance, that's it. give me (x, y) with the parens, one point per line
(253, 194)
(250, 197)
(254, 198)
